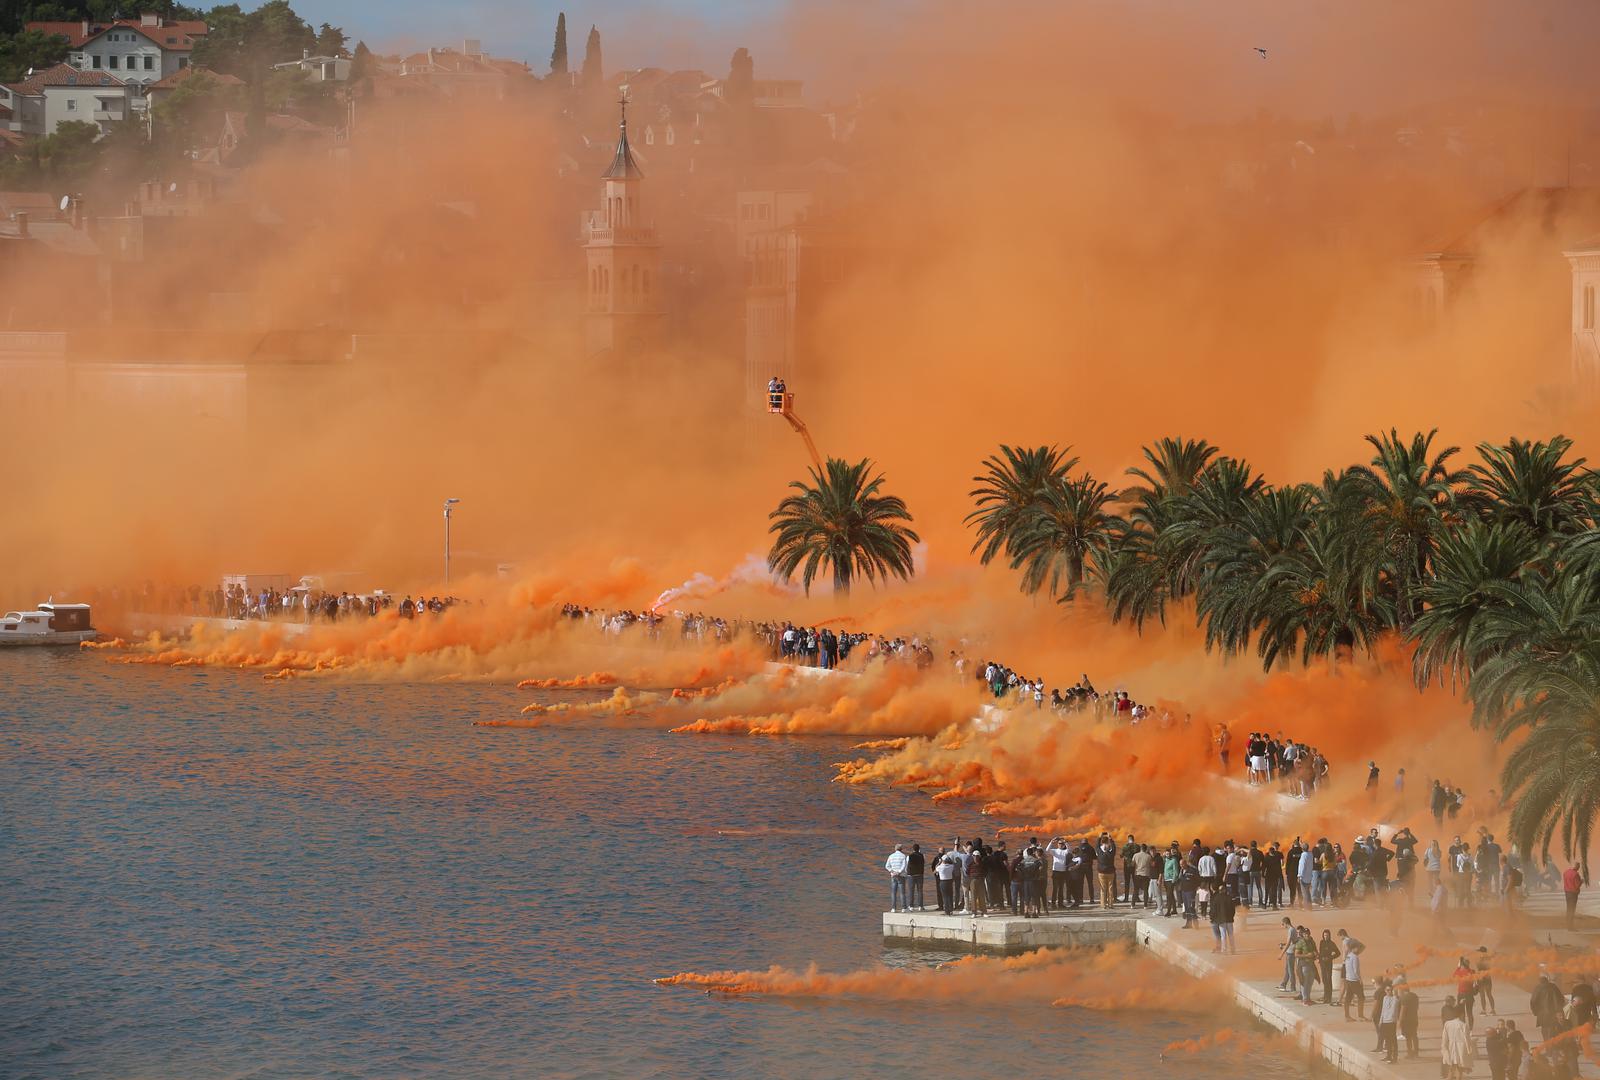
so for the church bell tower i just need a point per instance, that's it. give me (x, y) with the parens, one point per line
(624, 311)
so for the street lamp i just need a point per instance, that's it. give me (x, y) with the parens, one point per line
(449, 504)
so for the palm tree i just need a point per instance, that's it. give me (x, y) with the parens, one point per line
(1158, 556)
(1325, 596)
(1534, 632)
(1228, 596)
(1012, 483)
(1410, 491)
(1175, 464)
(842, 523)
(1529, 483)
(1553, 782)
(1053, 542)
(1467, 566)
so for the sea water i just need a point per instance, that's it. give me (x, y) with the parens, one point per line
(205, 874)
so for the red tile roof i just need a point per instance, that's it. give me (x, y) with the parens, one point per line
(175, 36)
(184, 72)
(63, 75)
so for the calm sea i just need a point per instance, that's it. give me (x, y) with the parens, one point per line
(207, 875)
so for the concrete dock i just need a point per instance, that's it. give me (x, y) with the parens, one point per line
(1008, 933)
(1251, 975)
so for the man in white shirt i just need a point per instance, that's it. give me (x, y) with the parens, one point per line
(945, 868)
(1060, 859)
(896, 865)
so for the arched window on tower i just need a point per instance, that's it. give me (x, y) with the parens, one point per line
(1588, 307)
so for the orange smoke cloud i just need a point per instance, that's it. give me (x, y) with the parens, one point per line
(1124, 977)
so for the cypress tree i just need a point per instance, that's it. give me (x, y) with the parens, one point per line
(558, 57)
(591, 73)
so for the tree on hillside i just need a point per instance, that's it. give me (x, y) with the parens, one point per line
(29, 49)
(840, 523)
(592, 74)
(558, 55)
(191, 114)
(67, 156)
(361, 61)
(247, 44)
(330, 41)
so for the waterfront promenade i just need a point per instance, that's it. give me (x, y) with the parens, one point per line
(1251, 976)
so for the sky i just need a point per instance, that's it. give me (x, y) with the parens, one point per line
(683, 33)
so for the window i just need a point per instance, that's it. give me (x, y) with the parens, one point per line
(183, 61)
(72, 104)
(114, 59)
(149, 63)
(96, 60)
(647, 282)
(1588, 307)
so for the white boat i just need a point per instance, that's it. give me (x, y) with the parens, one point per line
(50, 624)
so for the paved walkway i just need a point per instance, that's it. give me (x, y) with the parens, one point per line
(1350, 1045)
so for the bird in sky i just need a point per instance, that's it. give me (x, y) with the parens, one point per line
(1262, 51)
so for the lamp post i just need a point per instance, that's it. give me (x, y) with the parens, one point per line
(449, 504)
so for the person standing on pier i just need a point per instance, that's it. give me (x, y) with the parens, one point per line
(1410, 1012)
(1354, 993)
(896, 865)
(1388, 1025)
(1129, 850)
(1105, 864)
(1171, 871)
(945, 867)
(1144, 868)
(915, 869)
(1327, 955)
(1272, 877)
(1286, 950)
(1222, 910)
(1305, 963)
(1291, 870)
(1060, 858)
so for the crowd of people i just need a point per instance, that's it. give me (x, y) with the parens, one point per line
(306, 605)
(1201, 882)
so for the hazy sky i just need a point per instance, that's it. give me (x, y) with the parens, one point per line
(1328, 57)
(679, 33)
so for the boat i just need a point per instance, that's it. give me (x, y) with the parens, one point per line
(49, 624)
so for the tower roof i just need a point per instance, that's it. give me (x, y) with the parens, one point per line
(623, 167)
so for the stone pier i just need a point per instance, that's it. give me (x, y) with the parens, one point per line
(1251, 976)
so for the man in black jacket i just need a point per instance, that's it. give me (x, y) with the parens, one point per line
(1129, 850)
(916, 865)
(1545, 1003)
(1222, 906)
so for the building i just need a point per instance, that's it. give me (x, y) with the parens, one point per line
(137, 51)
(624, 309)
(1584, 258)
(468, 74)
(47, 99)
(320, 68)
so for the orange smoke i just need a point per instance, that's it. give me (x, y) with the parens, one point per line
(1124, 977)
(596, 678)
(1227, 1039)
